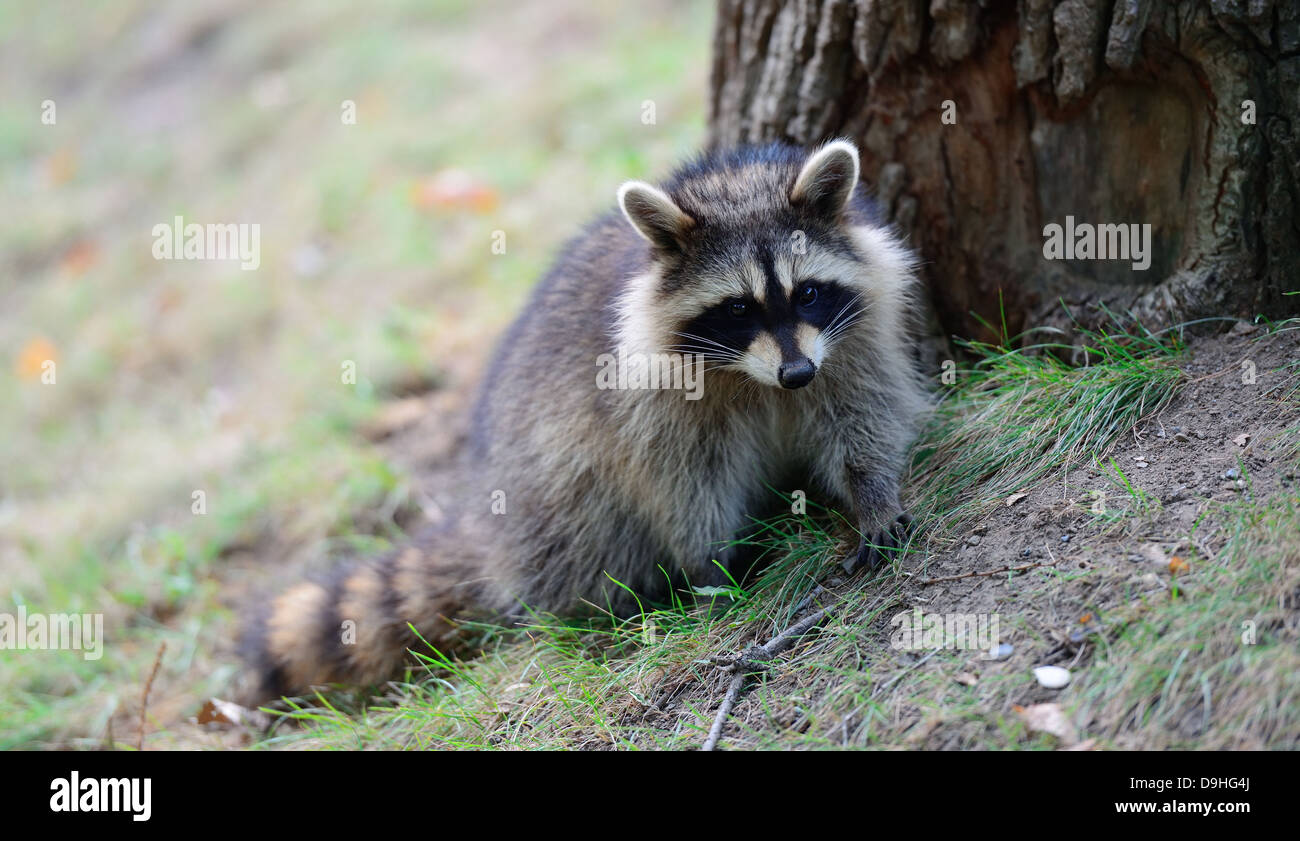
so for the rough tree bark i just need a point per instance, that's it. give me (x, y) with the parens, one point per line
(1110, 111)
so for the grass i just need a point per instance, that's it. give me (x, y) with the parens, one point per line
(1213, 662)
(1139, 501)
(1157, 652)
(1021, 413)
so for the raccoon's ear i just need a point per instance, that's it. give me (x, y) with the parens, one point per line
(827, 179)
(654, 215)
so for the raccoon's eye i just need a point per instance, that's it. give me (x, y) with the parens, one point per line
(739, 309)
(807, 295)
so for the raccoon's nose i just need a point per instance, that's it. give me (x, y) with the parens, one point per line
(796, 374)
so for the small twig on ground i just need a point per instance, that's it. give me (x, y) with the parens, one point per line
(1236, 366)
(144, 698)
(1021, 568)
(733, 692)
(754, 659)
(786, 638)
(807, 600)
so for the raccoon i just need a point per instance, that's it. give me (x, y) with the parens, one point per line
(765, 273)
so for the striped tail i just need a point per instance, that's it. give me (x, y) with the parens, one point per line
(355, 628)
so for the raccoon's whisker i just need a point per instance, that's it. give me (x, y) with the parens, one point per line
(857, 297)
(713, 348)
(711, 362)
(839, 334)
(751, 389)
(841, 323)
(706, 340)
(693, 336)
(843, 327)
(709, 354)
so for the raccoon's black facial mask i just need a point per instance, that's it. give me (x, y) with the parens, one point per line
(785, 336)
(729, 328)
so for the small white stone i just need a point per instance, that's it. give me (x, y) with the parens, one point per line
(1053, 677)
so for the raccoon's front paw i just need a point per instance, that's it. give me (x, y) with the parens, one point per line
(881, 545)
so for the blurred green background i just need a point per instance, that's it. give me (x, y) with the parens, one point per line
(376, 247)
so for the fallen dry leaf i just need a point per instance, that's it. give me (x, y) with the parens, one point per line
(32, 358)
(966, 679)
(1177, 565)
(1242, 440)
(1014, 498)
(78, 259)
(217, 711)
(1049, 718)
(453, 189)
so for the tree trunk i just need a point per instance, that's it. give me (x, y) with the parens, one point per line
(982, 123)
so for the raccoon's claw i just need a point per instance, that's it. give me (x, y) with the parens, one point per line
(870, 552)
(867, 555)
